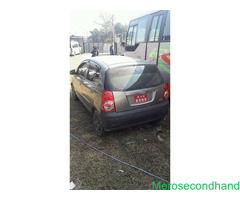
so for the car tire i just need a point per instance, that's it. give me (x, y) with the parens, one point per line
(74, 96)
(98, 129)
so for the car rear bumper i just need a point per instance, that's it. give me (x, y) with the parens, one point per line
(124, 119)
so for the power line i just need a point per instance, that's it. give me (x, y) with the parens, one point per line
(92, 147)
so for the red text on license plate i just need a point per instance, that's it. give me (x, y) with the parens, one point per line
(140, 98)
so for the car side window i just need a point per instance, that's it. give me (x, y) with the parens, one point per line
(82, 69)
(93, 72)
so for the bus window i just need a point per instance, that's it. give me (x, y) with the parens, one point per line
(158, 28)
(155, 28)
(131, 36)
(166, 33)
(141, 30)
(134, 35)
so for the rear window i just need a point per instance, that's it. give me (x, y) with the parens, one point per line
(133, 78)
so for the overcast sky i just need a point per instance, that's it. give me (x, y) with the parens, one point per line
(81, 22)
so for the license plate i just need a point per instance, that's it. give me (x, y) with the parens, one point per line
(140, 98)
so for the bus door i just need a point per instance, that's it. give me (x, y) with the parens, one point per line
(158, 46)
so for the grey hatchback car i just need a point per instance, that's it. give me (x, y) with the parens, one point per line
(120, 91)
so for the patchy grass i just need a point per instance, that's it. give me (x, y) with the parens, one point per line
(91, 170)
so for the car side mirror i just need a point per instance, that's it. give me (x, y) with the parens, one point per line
(72, 72)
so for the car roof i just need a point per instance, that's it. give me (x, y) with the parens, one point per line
(116, 61)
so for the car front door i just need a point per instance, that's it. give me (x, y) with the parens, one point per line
(79, 79)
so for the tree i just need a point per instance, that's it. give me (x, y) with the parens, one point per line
(108, 30)
(120, 28)
(95, 36)
(107, 26)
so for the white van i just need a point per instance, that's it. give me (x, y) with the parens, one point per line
(74, 48)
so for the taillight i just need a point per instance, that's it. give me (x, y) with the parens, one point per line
(108, 101)
(165, 91)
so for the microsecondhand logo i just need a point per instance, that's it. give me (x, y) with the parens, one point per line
(214, 185)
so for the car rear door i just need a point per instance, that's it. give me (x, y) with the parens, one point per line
(135, 86)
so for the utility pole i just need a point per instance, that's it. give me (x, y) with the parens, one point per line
(113, 29)
(114, 46)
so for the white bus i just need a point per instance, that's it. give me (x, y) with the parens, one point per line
(148, 38)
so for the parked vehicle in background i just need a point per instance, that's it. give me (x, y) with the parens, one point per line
(80, 41)
(120, 91)
(74, 48)
(148, 38)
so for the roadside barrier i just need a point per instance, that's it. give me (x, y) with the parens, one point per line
(92, 147)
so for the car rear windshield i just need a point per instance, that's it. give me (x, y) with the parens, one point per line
(133, 78)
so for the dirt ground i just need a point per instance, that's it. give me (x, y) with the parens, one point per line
(91, 170)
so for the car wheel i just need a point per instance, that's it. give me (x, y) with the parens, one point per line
(98, 125)
(74, 96)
